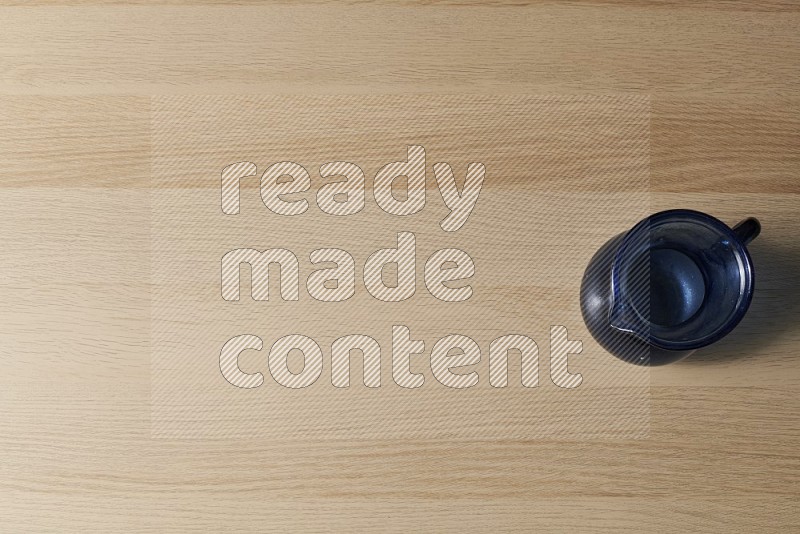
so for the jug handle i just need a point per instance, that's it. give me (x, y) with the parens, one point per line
(747, 230)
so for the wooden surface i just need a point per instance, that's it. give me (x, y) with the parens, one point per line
(76, 80)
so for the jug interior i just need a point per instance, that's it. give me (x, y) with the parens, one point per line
(680, 281)
(677, 286)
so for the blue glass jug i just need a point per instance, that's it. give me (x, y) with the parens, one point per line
(677, 281)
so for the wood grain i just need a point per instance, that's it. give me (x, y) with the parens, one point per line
(332, 49)
(76, 82)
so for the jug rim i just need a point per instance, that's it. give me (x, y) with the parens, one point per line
(644, 327)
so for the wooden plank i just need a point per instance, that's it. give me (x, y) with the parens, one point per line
(333, 49)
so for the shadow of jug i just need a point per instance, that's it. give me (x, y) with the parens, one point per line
(678, 281)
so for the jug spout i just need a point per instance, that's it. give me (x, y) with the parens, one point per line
(629, 310)
(623, 317)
